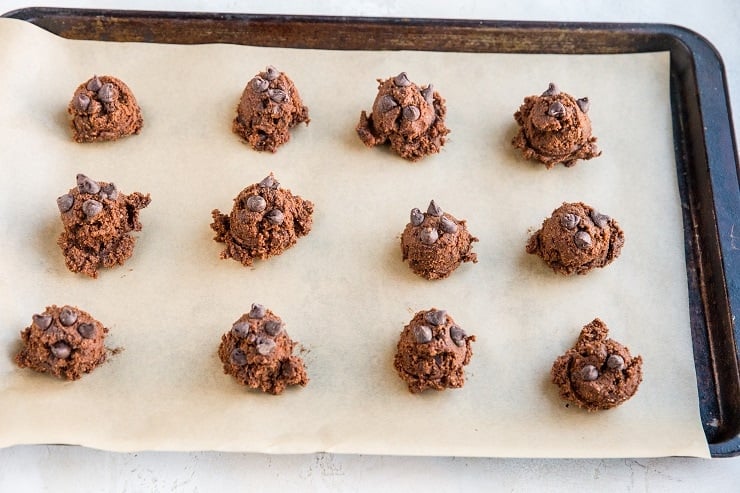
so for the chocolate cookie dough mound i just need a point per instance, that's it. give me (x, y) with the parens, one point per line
(432, 352)
(104, 108)
(265, 221)
(63, 341)
(270, 106)
(409, 117)
(554, 128)
(576, 239)
(98, 220)
(435, 243)
(598, 372)
(258, 352)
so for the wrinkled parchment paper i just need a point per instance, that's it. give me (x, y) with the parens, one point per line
(342, 291)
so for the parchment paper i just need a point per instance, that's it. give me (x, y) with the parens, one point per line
(342, 291)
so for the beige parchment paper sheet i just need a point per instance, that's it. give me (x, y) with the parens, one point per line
(343, 291)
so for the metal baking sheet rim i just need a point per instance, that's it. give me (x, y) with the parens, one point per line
(706, 158)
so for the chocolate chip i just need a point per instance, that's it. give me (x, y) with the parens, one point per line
(109, 191)
(61, 350)
(240, 329)
(429, 236)
(582, 240)
(107, 93)
(401, 80)
(238, 357)
(277, 95)
(599, 219)
(65, 202)
(434, 209)
(86, 184)
(265, 346)
(584, 104)
(457, 335)
(589, 373)
(273, 327)
(275, 216)
(615, 362)
(81, 102)
(94, 84)
(271, 73)
(387, 103)
(447, 225)
(269, 182)
(556, 109)
(67, 316)
(257, 311)
(428, 94)
(258, 84)
(288, 369)
(256, 203)
(422, 334)
(436, 317)
(569, 221)
(416, 217)
(92, 208)
(87, 331)
(552, 90)
(411, 113)
(43, 321)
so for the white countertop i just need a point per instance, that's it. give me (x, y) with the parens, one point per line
(61, 468)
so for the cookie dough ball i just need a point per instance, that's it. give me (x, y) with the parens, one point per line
(98, 220)
(598, 372)
(270, 106)
(265, 221)
(432, 352)
(258, 352)
(104, 108)
(63, 341)
(409, 117)
(554, 128)
(576, 239)
(435, 243)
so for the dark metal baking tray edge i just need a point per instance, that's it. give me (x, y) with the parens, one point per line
(705, 148)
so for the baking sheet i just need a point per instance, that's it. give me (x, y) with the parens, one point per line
(342, 291)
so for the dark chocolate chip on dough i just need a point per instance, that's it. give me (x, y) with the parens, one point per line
(589, 373)
(42, 321)
(67, 316)
(256, 203)
(257, 311)
(240, 329)
(87, 331)
(61, 350)
(422, 334)
(436, 317)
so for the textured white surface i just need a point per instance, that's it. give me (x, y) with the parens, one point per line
(45, 468)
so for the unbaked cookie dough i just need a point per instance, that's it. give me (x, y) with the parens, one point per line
(554, 128)
(258, 353)
(104, 108)
(435, 243)
(265, 221)
(98, 220)
(576, 239)
(64, 341)
(598, 372)
(411, 118)
(432, 352)
(269, 107)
